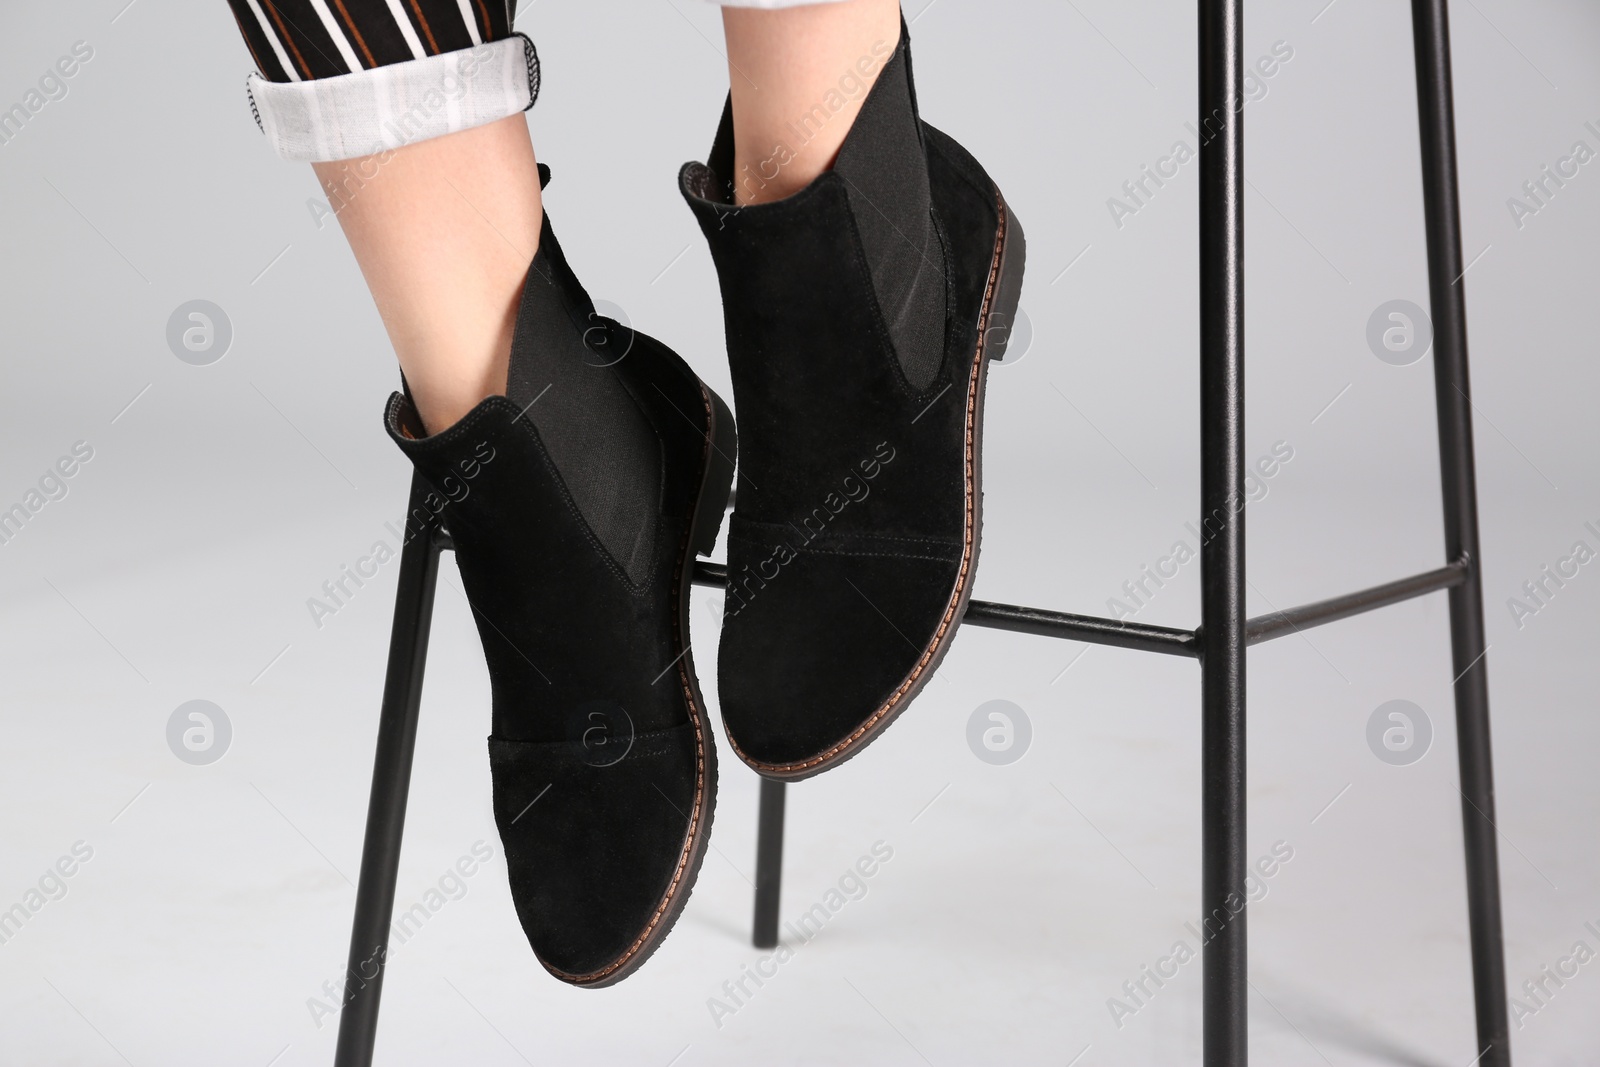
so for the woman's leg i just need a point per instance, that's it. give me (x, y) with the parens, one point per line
(411, 115)
(785, 69)
(444, 231)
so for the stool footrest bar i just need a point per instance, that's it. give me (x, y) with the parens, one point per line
(1278, 623)
(1088, 628)
(1041, 622)
(1169, 640)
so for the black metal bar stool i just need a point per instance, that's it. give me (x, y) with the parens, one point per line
(1219, 642)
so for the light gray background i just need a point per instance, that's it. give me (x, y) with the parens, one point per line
(1020, 897)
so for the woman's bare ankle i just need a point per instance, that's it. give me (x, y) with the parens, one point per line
(444, 231)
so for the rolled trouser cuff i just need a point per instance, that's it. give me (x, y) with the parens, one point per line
(387, 107)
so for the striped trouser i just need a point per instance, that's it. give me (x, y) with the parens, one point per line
(337, 79)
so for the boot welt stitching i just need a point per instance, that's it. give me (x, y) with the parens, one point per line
(867, 554)
(927, 542)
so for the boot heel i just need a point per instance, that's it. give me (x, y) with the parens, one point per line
(1007, 287)
(717, 487)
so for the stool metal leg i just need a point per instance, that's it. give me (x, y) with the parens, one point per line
(1222, 558)
(769, 863)
(391, 781)
(1431, 38)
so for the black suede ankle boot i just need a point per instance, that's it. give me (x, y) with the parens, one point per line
(602, 758)
(860, 313)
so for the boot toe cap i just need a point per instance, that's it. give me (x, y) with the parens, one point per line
(814, 657)
(598, 848)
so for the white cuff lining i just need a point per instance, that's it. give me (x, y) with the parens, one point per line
(384, 108)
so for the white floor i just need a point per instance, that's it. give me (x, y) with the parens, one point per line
(1017, 901)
